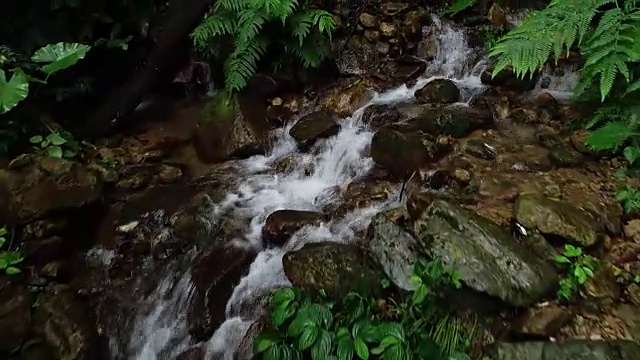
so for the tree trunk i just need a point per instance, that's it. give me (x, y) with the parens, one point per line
(161, 59)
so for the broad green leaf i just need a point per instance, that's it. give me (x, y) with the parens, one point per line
(395, 352)
(361, 348)
(12, 91)
(55, 151)
(322, 347)
(631, 153)
(298, 325)
(459, 356)
(283, 294)
(580, 274)
(56, 139)
(12, 270)
(273, 353)
(263, 342)
(3, 263)
(3, 231)
(308, 338)
(2, 241)
(345, 348)
(419, 294)
(36, 139)
(562, 259)
(392, 329)
(60, 56)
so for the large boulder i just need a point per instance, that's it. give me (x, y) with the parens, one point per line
(487, 256)
(355, 56)
(438, 91)
(402, 151)
(392, 247)
(36, 186)
(67, 325)
(236, 128)
(570, 350)
(334, 267)
(282, 224)
(215, 274)
(558, 218)
(15, 315)
(313, 127)
(377, 115)
(456, 121)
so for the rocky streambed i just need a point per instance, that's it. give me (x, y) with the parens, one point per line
(142, 251)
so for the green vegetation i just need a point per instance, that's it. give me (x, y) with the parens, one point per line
(606, 33)
(243, 32)
(417, 325)
(580, 268)
(9, 260)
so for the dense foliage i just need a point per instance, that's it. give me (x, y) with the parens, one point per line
(417, 325)
(243, 32)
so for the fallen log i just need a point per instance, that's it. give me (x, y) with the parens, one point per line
(124, 100)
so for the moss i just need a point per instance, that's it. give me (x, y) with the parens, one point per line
(221, 107)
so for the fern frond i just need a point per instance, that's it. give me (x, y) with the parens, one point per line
(611, 136)
(545, 34)
(211, 27)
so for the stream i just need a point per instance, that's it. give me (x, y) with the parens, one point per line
(158, 329)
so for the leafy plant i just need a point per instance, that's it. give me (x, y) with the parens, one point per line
(630, 199)
(54, 57)
(304, 327)
(253, 27)
(580, 269)
(8, 259)
(56, 145)
(458, 6)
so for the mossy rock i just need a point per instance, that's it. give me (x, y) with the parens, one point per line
(335, 268)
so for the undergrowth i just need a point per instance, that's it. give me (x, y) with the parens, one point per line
(417, 325)
(607, 34)
(242, 33)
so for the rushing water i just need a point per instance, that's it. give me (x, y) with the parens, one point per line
(159, 329)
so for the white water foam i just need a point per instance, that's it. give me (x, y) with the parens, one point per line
(337, 161)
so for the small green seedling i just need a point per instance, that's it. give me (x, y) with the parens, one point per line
(580, 269)
(8, 259)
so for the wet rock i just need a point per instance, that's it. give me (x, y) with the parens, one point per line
(507, 78)
(496, 15)
(168, 174)
(438, 91)
(393, 8)
(404, 70)
(335, 267)
(369, 21)
(193, 222)
(313, 127)
(345, 99)
(455, 121)
(547, 101)
(423, 189)
(569, 350)
(372, 35)
(65, 322)
(429, 45)
(388, 30)
(44, 186)
(632, 230)
(15, 315)
(529, 115)
(558, 218)
(196, 352)
(238, 129)
(563, 155)
(480, 149)
(364, 193)
(41, 251)
(543, 321)
(411, 29)
(215, 274)
(403, 152)
(392, 247)
(357, 56)
(377, 115)
(245, 348)
(282, 224)
(489, 259)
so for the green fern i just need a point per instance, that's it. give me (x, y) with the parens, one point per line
(302, 32)
(608, 46)
(458, 6)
